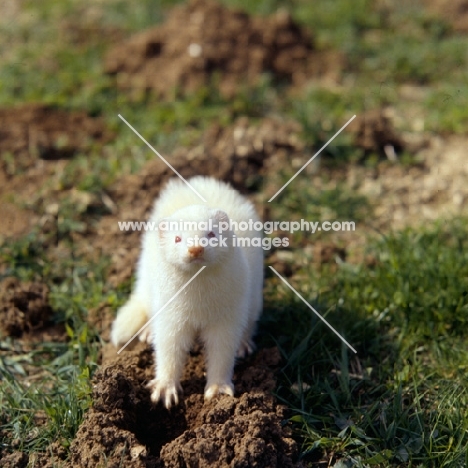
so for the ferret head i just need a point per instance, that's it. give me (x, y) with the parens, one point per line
(191, 236)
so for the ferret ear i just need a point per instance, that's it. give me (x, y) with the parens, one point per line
(220, 215)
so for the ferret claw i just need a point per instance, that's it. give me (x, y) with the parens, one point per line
(215, 389)
(167, 392)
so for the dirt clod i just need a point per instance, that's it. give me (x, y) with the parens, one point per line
(202, 38)
(15, 460)
(23, 307)
(328, 253)
(374, 133)
(243, 432)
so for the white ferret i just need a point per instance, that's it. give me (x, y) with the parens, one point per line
(221, 305)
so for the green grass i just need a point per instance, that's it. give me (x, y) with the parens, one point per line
(401, 400)
(51, 407)
(46, 389)
(447, 107)
(400, 44)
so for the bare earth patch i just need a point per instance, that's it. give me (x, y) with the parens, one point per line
(126, 429)
(412, 196)
(36, 142)
(34, 132)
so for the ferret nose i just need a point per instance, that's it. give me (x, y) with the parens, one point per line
(196, 251)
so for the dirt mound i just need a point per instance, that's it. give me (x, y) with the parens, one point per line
(246, 432)
(454, 11)
(37, 131)
(239, 154)
(24, 307)
(126, 429)
(202, 38)
(33, 137)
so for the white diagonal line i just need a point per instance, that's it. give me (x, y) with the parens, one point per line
(162, 159)
(312, 158)
(312, 309)
(161, 309)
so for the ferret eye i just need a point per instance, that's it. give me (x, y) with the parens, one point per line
(177, 239)
(211, 234)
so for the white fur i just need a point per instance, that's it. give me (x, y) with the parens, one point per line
(221, 305)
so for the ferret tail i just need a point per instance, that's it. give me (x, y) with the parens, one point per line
(130, 318)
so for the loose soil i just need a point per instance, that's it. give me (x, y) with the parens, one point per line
(411, 196)
(123, 428)
(203, 39)
(24, 307)
(36, 142)
(27, 316)
(34, 132)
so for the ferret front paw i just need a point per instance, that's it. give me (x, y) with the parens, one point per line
(245, 349)
(217, 389)
(166, 392)
(145, 335)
